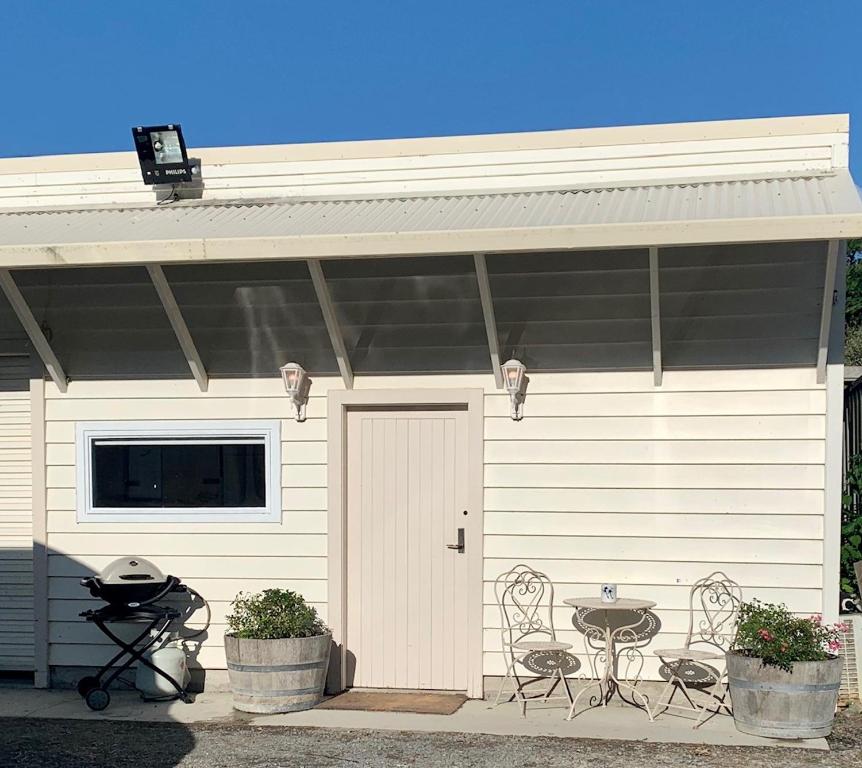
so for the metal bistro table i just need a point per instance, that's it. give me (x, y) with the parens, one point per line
(603, 649)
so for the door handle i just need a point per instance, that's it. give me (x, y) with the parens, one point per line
(460, 545)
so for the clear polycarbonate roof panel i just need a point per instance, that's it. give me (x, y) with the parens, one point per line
(410, 315)
(741, 305)
(103, 322)
(12, 336)
(573, 311)
(250, 319)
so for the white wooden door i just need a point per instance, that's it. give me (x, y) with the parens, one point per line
(16, 517)
(406, 589)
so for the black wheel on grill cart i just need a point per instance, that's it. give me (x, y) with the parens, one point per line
(86, 684)
(97, 699)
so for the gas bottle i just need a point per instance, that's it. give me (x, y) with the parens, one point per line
(170, 658)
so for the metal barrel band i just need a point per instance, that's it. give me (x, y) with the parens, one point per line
(779, 724)
(783, 687)
(276, 694)
(298, 667)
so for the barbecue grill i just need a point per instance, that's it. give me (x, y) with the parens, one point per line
(131, 587)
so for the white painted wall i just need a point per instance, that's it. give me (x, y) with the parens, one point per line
(606, 479)
(16, 528)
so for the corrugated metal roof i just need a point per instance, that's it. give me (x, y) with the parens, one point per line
(718, 200)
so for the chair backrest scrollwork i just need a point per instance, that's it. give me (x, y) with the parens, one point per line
(716, 599)
(525, 598)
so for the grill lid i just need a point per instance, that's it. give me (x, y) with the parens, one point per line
(131, 570)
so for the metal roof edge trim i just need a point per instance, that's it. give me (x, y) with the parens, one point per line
(492, 142)
(421, 243)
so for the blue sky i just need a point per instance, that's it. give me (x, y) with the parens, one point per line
(78, 75)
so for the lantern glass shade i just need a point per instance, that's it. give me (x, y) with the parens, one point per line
(293, 375)
(513, 375)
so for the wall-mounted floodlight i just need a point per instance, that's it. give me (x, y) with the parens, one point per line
(162, 154)
(297, 385)
(515, 381)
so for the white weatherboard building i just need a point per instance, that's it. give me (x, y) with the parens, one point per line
(675, 291)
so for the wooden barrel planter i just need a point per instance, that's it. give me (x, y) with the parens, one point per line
(767, 701)
(284, 675)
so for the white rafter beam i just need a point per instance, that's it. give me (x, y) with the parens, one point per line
(331, 320)
(181, 330)
(655, 316)
(488, 313)
(32, 329)
(826, 309)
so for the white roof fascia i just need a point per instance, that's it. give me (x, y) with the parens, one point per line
(495, 142)
(633, 235)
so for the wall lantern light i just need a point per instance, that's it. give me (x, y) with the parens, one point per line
(296, 384)
(515, 380)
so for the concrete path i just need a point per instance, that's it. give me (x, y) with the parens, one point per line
(615, 722)
(52, 743)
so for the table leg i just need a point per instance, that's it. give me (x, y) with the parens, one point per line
(610, 684)
(603, 683)
(637, 699)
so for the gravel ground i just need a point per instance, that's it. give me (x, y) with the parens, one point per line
(26, 743)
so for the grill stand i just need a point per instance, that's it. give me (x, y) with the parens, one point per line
(94, 688)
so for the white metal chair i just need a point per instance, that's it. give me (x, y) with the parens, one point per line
(717, 599)
(526, 601)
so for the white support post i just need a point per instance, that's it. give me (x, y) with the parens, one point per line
(181, 330)
(488, 313)
(826, 309)
(834, 442)
(32, 329)
(331, 320)
(655, 315)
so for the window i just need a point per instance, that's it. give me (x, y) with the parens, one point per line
(179, 471)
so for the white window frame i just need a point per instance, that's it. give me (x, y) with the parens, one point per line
(89, 431)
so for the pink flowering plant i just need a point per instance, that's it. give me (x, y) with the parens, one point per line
(773, 634)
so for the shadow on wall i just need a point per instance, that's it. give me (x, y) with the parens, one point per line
(79, 649)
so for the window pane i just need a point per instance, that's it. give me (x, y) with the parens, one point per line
(131, 475)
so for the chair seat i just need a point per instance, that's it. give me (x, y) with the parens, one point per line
(687, 654)
(541, 645)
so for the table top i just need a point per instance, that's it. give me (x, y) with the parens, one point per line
(622, 604)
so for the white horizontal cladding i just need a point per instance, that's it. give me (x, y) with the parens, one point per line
(68, 610)
(679, 452)
(224, 545)
(671, 526)
(16, 519)
(215, 589)
(674, 599)
(200, 567)
(756, 501)
(605, 480)
(297, 522)
(785, 550)
(660, 403)
(454, 164)
(635, 477)
(771, 427)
